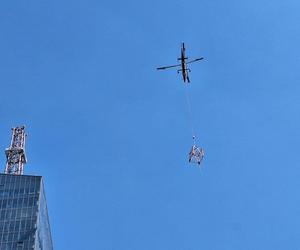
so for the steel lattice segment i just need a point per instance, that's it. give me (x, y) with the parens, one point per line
(196, 154)
(15, 154)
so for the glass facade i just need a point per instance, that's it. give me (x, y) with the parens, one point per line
(24, 220)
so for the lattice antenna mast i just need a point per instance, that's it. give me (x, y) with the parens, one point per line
(15, 154)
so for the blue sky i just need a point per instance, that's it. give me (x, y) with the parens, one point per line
(111, 135)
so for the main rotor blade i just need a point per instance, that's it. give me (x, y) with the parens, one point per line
(167, 67)
(195, 60)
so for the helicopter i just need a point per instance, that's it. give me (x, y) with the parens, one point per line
(183, 64)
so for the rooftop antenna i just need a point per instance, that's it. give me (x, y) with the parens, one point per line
(15, 153)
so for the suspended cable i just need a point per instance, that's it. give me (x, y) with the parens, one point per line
(190, 115)
(196, 153)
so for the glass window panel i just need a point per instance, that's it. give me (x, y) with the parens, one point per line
(13, 213)
(2, 214)
(20, 202)
(11, 226)
(23, 225)
(31, 201)
(8, 214)
(4, 193)
(5, 237)
(15, 202)
(9, 203)
(18, 213)
(10, 236)
(3, 204)
(32, 190)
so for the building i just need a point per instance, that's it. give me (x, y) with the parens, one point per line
(24, 223)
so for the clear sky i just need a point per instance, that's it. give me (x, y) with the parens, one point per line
(110, 134)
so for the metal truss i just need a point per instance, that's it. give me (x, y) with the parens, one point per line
(15, 153)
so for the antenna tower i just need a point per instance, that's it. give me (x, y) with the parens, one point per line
(15, 154)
